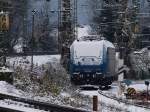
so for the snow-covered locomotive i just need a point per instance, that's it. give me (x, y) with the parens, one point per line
(92, 61)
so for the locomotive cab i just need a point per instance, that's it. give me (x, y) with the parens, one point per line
(89, 62)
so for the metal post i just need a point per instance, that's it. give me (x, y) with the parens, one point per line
(32, 39)
(95, 103)
(147, 84)
(75, 20)
(59, 26)
(147, 94)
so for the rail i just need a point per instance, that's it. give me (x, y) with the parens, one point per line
(42, 105)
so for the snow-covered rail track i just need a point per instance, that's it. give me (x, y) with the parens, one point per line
(8, 105)
(43, 106)
(126, 102)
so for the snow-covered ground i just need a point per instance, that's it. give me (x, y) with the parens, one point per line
(105, 104)
(110, 105)
(31, 88)
(83, 101)
(37, 60)
(139, 87)
(6, 88)
(64, 99)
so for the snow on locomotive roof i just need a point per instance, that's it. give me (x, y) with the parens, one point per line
(82, 48)
(90, 48)
(87, 44)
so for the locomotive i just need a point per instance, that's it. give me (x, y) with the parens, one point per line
(92, 61)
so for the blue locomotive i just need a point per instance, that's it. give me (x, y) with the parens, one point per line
(92, 61)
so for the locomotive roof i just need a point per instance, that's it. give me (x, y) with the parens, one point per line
(93, 41)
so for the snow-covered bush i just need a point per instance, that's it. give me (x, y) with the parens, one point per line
(23, 81)
(140, 63)
(52, 81)
(49, 82)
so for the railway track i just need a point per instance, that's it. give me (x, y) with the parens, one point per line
(127, 102)
(41, 106)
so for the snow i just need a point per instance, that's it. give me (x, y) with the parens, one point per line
(141, 51)
(6, 88)
(19, 46)
(139, 87)
(82, 48)
(112, 103)
(113, 90)
(106, 104)
(38, 60)
(139, 61)
(89, 52)
(65, 94)
(45, 59)
(4, 69)
(108, 44)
